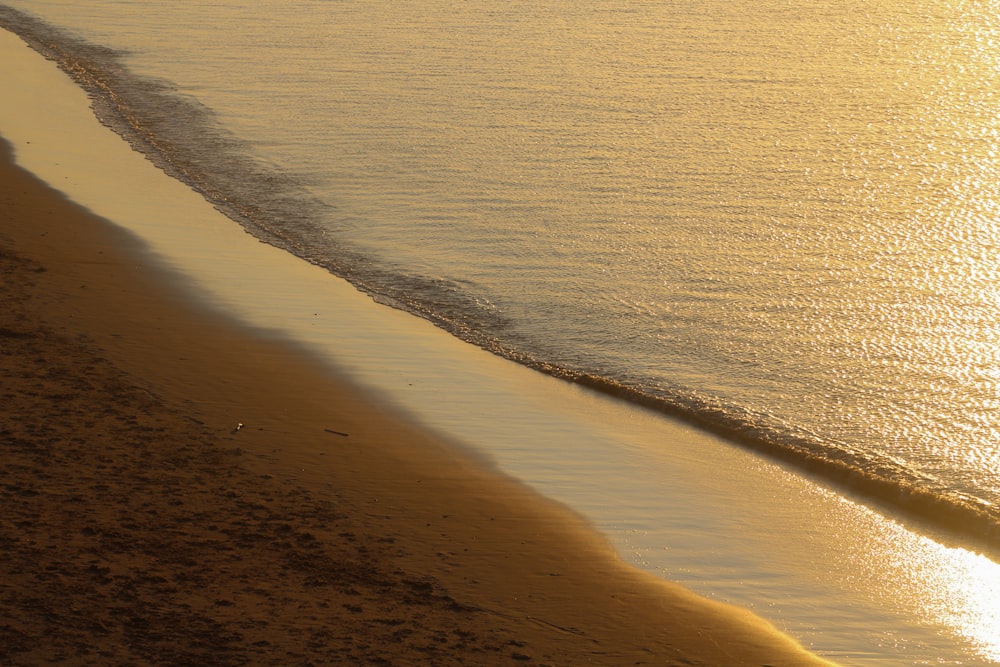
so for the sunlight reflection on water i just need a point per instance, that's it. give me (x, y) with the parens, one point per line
(855, 283)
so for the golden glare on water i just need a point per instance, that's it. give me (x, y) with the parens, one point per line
(949, 587)
(973, 608)
(792, 208)
(961, 590)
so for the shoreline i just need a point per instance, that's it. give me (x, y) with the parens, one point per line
(285, 539)
(674, 502)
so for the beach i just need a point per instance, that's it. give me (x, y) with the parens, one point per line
(253, 410)
(245, 459)
(179, 489)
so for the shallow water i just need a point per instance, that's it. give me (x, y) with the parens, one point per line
(655, 227)
(778, 221)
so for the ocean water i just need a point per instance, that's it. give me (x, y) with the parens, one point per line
(775, 221)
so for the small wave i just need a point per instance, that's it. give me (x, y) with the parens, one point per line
(175, 132)
(182, 137)
(969, 521)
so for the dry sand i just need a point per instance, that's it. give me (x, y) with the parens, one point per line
(138, 527)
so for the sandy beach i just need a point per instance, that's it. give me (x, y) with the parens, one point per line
(143, 525)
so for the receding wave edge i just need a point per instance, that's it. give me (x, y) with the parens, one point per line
(275, 209)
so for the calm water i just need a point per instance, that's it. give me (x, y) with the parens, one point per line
(778, 220)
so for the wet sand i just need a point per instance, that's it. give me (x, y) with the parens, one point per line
(139, 525)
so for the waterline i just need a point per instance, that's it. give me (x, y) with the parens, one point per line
(846, 581)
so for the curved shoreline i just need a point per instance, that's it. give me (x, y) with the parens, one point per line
(141, 525)
(144, 526)
(100, 72)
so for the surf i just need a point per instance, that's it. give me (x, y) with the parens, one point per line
(182, 137)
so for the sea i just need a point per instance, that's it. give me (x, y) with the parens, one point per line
(776, 223)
